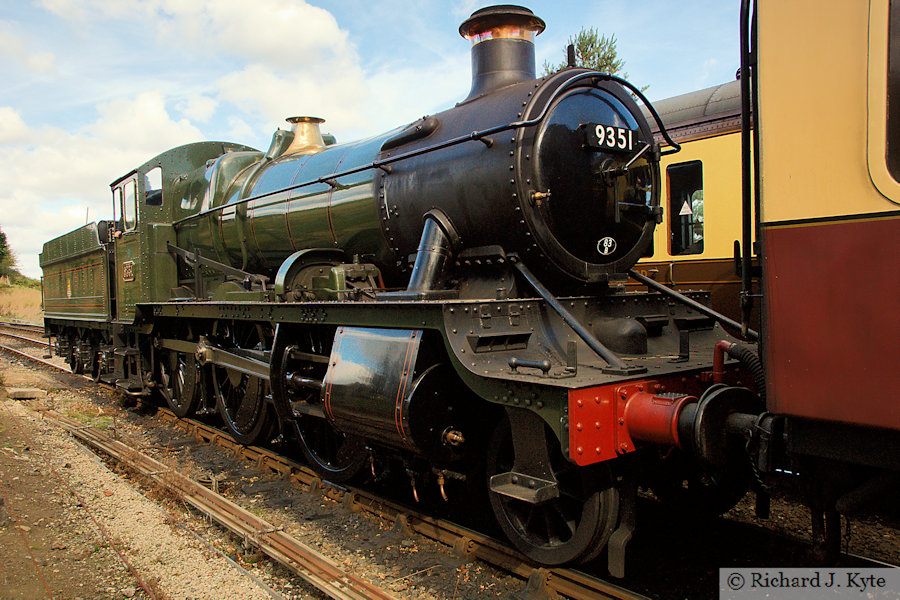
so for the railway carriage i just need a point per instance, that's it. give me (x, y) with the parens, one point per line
(447, 300)
(693, 246)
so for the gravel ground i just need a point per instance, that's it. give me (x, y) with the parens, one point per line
(92, 516)
(153, 536)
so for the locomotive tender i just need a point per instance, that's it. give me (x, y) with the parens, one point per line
(446, 298)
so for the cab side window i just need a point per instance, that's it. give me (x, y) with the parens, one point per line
(685, 185)
(130, 205)
(153, 194)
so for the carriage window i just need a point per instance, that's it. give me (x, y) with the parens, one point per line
(130, 206)
(685, 208)
(153, 187)
(893, 92)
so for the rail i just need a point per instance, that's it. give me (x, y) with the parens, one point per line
(20, 324)
(315, 568)
(25, 339)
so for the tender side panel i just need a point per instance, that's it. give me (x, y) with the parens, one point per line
(76, 275)
(832, 291)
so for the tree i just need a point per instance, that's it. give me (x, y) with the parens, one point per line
(592, 51)
(7, 258)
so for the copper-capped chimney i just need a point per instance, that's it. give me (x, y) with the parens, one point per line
(307, 136)
(502, 39)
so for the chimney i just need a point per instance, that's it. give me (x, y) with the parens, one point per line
(307, 137)
(502, 46)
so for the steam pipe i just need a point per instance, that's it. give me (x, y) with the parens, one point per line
(439, 240)
(746, 357)
(719, 360)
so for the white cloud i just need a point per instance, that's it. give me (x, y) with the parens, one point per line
(13, 47)
(142, 124)
(292, 59)
(276, 32)
(238, 129)
(464, 8)
(198, 107)
(709, 65)
(46, 188)
(13, 129)
(276, 95)
(273, 32)
(353, 102)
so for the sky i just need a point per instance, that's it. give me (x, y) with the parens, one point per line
(93, 88)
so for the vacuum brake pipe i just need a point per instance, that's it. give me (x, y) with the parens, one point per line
(746, 357)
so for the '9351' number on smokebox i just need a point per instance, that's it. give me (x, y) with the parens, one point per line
(607, 137)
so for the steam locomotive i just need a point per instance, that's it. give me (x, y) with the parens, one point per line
(447, 298)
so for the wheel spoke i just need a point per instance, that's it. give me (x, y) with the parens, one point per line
(240, 397)
(568, 523)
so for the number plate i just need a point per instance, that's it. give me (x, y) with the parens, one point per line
(128, 271)
(609, 138)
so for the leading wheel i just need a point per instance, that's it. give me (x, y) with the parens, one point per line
(241, 398)
(573, 527)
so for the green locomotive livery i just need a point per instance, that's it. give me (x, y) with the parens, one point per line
(445, 296)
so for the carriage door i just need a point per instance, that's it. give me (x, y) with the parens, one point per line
(128, 250)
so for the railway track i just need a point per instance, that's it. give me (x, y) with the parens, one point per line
(24, 338)
(22, 325)
(312, 566)
(566, 582)
(472, 544)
